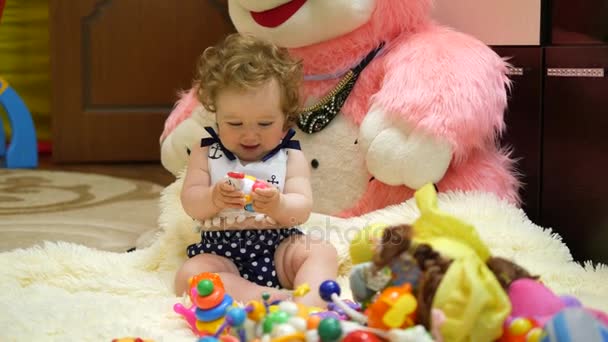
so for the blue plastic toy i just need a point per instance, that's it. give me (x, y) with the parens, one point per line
(23, 150)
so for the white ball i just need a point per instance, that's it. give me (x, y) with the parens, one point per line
(289, 307)
(282, 330)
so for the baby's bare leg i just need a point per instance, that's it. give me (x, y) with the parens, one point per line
(303, 259)
(237, 287)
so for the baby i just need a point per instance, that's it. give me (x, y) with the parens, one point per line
(252, 87)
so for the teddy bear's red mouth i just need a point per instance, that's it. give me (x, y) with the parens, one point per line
(278, 15)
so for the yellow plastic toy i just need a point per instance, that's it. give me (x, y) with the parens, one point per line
(394, 308)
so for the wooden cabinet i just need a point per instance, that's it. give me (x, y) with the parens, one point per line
(557, 125)
(523, 121)
(117, 66)
(575, 148)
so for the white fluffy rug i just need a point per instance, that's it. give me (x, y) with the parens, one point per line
(68, 292)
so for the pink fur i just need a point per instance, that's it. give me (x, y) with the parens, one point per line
(468, 112)
(182, 110)
(431, 78)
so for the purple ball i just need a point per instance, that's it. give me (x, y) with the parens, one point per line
(571, 301)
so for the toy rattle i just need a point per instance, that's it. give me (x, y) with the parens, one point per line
(247, 184)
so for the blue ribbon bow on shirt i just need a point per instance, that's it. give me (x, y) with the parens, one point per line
(286, 142)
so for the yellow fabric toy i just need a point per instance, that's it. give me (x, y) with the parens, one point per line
(470, 296)
(473, 301)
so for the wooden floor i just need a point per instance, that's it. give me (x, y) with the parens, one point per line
(149, 171)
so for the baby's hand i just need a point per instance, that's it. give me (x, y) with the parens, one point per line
(266, 200)
(225, 195)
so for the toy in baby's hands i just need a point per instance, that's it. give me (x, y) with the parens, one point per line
(247, 184)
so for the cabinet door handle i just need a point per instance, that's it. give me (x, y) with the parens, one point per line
(576, 72)
(515, 71)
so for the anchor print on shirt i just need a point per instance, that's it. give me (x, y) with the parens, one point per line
(215, 152)
(273, 180)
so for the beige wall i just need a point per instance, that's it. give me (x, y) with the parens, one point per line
(495, 22)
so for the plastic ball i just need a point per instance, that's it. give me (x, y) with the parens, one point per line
(258, 311)
(265, 296)
(520, 326)
(236, 317)
(267, 325)
(328, 288)
(535, 335)
(329, 330)
(298, 322)
(283, 330)
(290, 307)
(313, 322)
(571, 301)
(279, 317)
(205, 287)
(361, 336)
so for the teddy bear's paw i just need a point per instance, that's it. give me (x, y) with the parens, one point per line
(397, 156)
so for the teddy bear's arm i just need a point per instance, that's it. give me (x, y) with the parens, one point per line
(184, 129)
(446, 84)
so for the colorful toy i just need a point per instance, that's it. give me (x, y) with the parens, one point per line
(330, 292)
(23, 150)
(522, 329)
(395, 307)
(575, 324)
(530, 298)
(391, 263)
(447, 287)
(210, 302)
(288, 321)
(449, 270)
(247, 184)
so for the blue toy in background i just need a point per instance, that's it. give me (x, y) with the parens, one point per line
(573, 325)
(23, 149)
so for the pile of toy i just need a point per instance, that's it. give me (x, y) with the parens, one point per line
(432, 281)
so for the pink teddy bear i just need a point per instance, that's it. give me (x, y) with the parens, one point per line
(392, 101)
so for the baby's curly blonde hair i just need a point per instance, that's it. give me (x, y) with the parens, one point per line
(243, 61)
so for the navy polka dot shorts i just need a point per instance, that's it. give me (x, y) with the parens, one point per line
(252, 251)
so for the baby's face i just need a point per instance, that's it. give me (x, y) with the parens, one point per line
(250, 122)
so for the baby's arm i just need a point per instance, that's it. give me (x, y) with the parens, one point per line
(200, 199)
(294, 205)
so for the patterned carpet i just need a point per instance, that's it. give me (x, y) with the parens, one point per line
(98, 211)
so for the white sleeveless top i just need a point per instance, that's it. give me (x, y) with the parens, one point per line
(272, 170)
